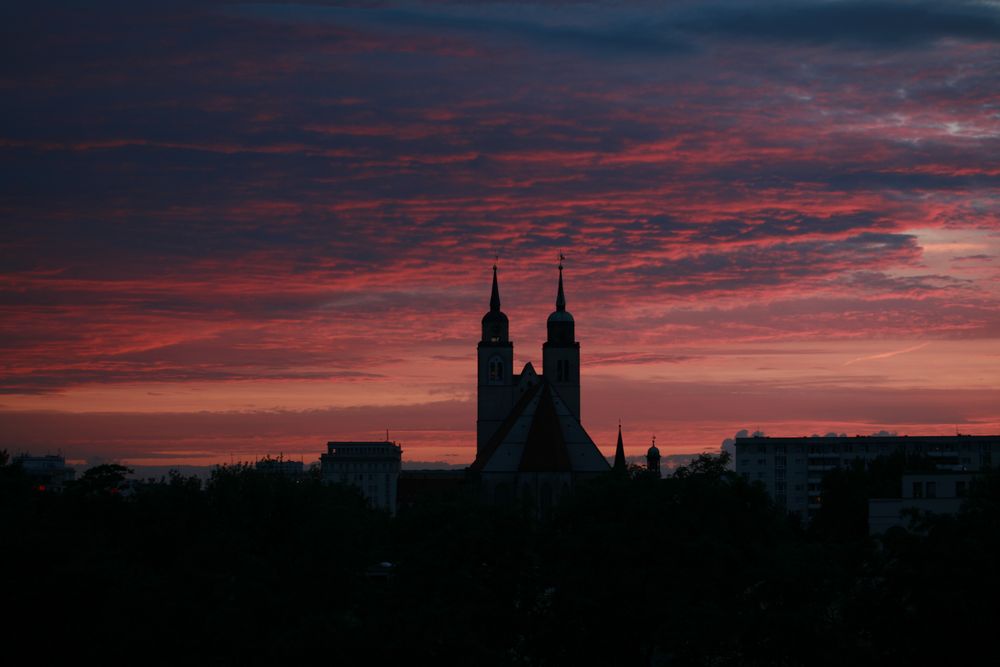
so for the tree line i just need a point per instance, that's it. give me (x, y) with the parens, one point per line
(699, 568)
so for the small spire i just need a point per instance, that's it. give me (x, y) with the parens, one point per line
(560, 297)
(620, 465)
(495, 296)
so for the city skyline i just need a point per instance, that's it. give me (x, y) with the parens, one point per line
(246, 229)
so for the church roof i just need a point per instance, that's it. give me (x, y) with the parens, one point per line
(541, 434)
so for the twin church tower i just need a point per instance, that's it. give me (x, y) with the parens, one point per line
(498, 385)
(529, 439)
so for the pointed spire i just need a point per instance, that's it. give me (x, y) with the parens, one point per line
(560, 297)
(620, 465)
(495, 296)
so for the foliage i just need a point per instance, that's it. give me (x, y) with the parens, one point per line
(101, 481)
(698, 568)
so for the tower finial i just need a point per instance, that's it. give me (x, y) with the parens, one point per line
(495, 296)
(560, 296)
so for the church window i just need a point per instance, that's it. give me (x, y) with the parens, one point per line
(496, 370)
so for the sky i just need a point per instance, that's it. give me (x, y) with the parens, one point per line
(234, 229)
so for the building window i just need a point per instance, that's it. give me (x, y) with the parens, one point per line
(960, 489)
(932, 489)
(496, 370)
(918, 489)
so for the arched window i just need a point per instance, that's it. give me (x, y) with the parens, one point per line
(495, 370)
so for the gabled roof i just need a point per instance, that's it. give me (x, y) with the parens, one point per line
(527, 378)
(545, 448)
(541, 434)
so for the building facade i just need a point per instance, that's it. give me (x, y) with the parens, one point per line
(372, 467)
(792, 469)
(530, 442)
(934, 492)
(47, 473)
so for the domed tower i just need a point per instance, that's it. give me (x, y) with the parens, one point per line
(561, 352)
(496, 365)
(653, 459)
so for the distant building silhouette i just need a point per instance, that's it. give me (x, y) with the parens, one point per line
(373, 467)
(530, 443)
(280, 466)
(792, 469)
(47, 473)
(653, 460)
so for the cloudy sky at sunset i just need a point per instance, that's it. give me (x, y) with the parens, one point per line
(233, 229)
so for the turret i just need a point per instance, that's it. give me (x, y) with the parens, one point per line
(653, 459)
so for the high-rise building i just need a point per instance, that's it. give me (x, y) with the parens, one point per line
(792, 469)
(373, 467)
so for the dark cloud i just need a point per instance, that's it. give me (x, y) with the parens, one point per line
(901, 285)
(749, 267)
(598, 30)
(875, 24)
(212, 191)
(651, 29)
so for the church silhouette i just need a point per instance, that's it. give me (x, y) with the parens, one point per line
(530, 443)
